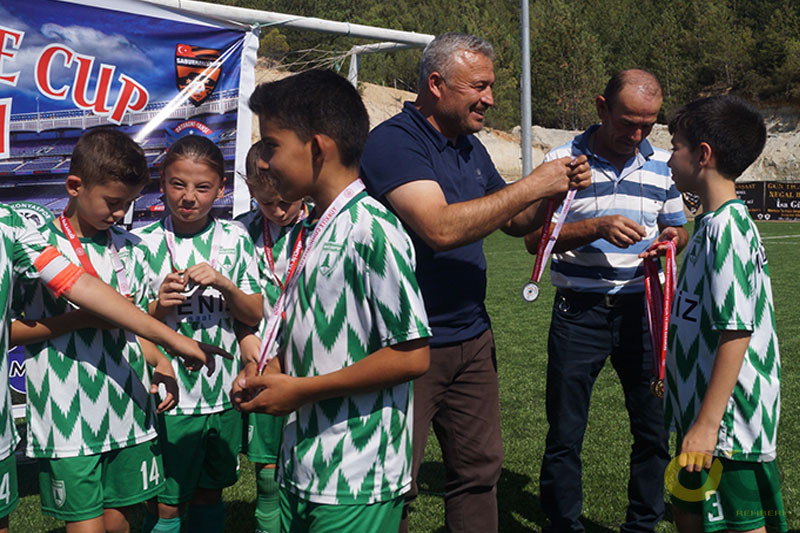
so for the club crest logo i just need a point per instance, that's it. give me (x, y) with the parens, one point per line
(331, 252)
(59, 491)
(34, 213)
(196, 64)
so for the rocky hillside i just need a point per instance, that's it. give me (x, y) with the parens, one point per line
(780, 160)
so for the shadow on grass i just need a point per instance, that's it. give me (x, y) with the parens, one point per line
(517, 506)
(240, 515)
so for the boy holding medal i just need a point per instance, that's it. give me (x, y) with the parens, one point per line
(723, 365)
(355, 330)
(269, 226)
(91, 416)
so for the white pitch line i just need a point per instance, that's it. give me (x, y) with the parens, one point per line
(780, 237)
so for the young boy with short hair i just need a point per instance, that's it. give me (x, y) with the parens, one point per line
(355, 330)
(269, 225)
(723, 367)
(91, 416)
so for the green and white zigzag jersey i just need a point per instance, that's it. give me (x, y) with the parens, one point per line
(88, 390)
(20, 245)
(357, 294)
(724, 285)
(254, 222)
(204, 316)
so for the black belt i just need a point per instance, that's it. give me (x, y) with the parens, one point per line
(590, 299)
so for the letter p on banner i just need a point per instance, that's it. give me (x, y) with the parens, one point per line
(5, 123)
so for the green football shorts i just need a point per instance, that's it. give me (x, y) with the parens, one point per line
(200, 451)
(9, 495)
(79, 488)
(733, 495)
(263, 437)
(299, 515)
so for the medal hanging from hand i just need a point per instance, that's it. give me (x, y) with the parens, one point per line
(658, 305)
(530, 291)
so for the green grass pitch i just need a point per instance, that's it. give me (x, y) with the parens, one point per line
(521, 334)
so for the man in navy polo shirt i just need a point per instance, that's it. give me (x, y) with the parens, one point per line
(427, 165)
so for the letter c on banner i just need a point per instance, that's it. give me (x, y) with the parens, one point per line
(43, 71)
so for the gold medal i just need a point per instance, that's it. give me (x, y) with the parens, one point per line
(657, 388)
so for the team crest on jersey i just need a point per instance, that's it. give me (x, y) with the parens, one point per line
(693, 255)
(59, 491)
(197, 64)
(331, 252)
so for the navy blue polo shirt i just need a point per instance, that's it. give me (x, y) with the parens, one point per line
(453, 283)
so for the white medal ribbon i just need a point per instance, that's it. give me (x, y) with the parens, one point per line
(300, 258)
(122, 279)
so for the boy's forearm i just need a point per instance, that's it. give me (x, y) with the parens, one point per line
(150, 351)
(23, 332)
(380, 370)
(156, 311)
(724, 375)
(99, 298)
(246, 308)
(249, 345)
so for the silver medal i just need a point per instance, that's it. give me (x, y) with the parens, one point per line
(189, 288)
(530, 292)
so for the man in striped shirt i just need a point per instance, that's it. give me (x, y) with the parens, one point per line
(599, 308)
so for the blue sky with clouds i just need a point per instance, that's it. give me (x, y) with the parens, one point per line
(141, 47)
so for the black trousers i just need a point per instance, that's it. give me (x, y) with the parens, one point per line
(587, 329)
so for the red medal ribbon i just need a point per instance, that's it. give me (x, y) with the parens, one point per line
(538, 265)
(266, 237)
(550, 233)
(86, 263)
(122, 280)
(659, 303)
(297, 262)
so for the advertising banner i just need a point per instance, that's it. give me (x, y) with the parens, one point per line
(752, 194)
(153, 72)
(781, 201)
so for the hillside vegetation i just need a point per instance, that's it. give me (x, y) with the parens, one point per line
(695, 47)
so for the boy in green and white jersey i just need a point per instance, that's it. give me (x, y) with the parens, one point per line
(91, 416)
(355, 330)
(269, 225)
(723, 366)
(204, 279)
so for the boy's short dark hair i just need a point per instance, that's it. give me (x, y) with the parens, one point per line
(254, 176)
(317, 101)
(733, 129)
(106, 154)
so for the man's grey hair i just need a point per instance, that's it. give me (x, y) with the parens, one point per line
(440, 53)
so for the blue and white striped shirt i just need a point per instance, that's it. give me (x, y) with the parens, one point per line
(643, 192)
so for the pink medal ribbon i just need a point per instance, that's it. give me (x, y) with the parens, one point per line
(297, 262)
(530, 291)
(658, 305)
